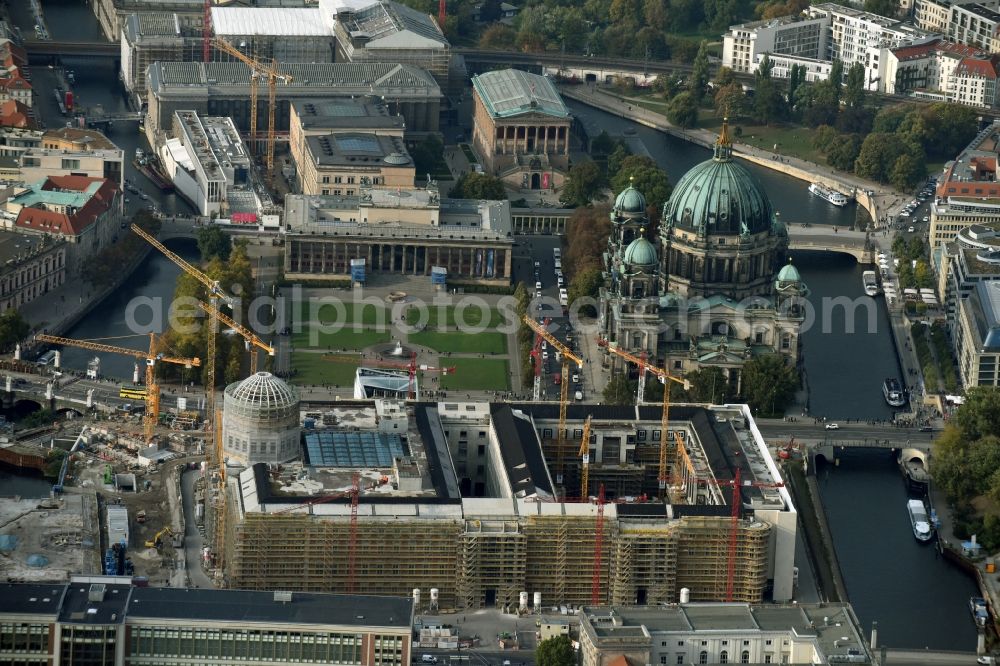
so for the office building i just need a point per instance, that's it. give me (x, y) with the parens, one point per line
(977, 334)
(521, 128)
(700, 633)
(105, 620)
(973, 257)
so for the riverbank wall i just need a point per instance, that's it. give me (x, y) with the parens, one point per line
(816, 530)
(615, 105)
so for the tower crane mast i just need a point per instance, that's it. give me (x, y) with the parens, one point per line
(680, 454)
(152, 357)
(566, 356)
(248, 336)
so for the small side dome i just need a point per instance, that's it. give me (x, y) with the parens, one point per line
(789, 273)
(630, 200)
(640, 252)
(396, 159)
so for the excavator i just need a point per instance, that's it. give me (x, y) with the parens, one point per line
(157, 541)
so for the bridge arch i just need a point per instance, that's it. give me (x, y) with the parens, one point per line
(25, 406)
(915, 455)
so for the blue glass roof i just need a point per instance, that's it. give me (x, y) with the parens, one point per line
(330, 448)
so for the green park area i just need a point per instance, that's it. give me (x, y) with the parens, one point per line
(312, 369)
(452, 316)
(476, 374)
(461, 343)
(349, 326)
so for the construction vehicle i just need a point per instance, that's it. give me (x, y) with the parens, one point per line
(566, 357)
(410, 367)
(250, 339)
(214, 445)
(681, 461)
(157, 540)
(259, 70)
(152, 357)
(140, 517)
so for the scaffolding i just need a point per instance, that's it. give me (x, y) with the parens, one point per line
(703, 548)
(493, 562)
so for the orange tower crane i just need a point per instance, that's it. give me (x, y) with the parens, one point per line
(214, 448)
(250, 339)
(567, 356)
(352, 550)
(536, 355)
(152, 357)
(680, 453)
(259, 70)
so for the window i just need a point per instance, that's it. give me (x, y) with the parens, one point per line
(70, 164)
(663, 659)
(724, 657)
(767, 642)
(680, 659)
(745, 657)
(703, 657)
(326, 179)
(767, 659)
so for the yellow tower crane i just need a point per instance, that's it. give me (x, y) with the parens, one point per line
(214, 448)
(152, 357)
(680, 453)
(258, 70)
(566, 356)
(249, 337)
(585, 460)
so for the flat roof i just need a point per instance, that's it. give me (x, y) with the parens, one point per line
(241, 606)
(15, 247)
(397, 25)
(345, 114)
(107, 608)
(521, 452)
(358, 149)
(31, 598)
(270, 21)
(512, 92)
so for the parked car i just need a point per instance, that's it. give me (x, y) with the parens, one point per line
(832, 426)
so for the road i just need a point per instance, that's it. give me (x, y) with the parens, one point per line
(805, 429)
(193, 540)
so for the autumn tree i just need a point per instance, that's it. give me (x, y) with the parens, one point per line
(587, 232)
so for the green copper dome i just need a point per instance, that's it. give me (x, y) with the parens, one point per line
(720, 196)
(630, 201)
(789, 273)
(640, 252)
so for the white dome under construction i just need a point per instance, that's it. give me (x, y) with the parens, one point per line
(260, 421)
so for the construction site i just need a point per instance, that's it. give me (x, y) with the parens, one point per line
(460, 500)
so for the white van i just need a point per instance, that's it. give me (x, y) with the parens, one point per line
(429, 659)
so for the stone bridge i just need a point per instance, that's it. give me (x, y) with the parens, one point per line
(858, 244)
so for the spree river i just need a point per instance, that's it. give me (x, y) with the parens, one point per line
(917, 599)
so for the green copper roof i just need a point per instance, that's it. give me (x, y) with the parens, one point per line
(630, 200)
(722, 197)
(789, 273)
(511, 92)
(640, 252)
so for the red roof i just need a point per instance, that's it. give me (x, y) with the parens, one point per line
(15, 114)
(937, 45)
(39, 219)
(981, 67)
(15, 83)
(12, 54)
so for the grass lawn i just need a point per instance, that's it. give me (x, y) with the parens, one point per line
(792, 141)
(476, 374)
(329, 313)
(481, 343)
(314, 369)
(445, 316)
(347, 338)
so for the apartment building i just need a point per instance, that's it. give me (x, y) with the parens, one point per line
(973, 257)
(977, 335)
(29, 267)
(794, 36)
(943, 70)
(39, 163)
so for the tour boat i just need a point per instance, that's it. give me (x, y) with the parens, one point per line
(870, 281)
(833, 196)
(919, 521)
(893, 392)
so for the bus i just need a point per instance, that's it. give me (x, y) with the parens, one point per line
(132, 392)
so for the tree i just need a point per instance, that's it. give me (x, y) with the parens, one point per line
(682, 110)
(887, 8)
(907, 172)
(646, 176)
(669, 85)
(13, 328)
(586, 284)
(698, 83)
(498, 37)
(587, 232)
(490, 11)
(618, 391)
(214, 242)
(967, 453)
(474, 185)
(584, 184)
(796, 77)
(843, 151)
(769, 383)
(767, 100)
(836, 79)
(707, 385)
(824, 137)
(427, 155)
(557, 651)
(730, 101)
(979, 415)
(854, 92)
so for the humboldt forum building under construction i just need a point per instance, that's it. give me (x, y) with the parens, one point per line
(468, 504)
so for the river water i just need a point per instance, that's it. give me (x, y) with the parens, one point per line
(917, 599)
